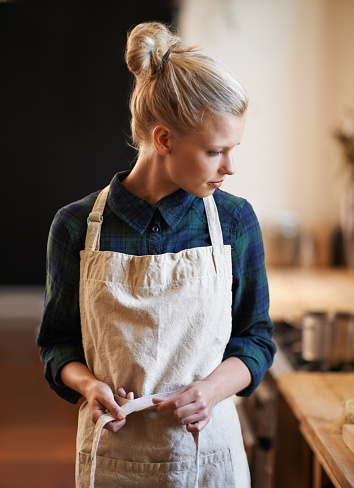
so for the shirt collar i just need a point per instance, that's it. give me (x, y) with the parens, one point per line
(138, 213)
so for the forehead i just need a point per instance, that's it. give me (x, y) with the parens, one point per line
(222, 131)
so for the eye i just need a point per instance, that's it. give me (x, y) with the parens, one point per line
(215, 153)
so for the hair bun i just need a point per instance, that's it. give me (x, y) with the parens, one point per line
(175, 85)
(146, 45)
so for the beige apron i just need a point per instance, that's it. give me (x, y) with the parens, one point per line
(152, 324)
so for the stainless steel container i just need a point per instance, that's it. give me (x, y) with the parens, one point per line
(328, 337)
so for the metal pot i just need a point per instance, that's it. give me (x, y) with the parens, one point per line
(328, 337)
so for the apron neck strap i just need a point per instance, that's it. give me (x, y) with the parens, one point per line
(94, 222)
(213, 221)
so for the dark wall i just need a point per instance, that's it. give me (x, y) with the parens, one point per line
(64, 115)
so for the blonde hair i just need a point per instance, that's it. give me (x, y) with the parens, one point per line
(174, 84)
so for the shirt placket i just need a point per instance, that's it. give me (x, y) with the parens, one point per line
(155, 237)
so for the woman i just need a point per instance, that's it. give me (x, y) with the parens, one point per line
(169, 301)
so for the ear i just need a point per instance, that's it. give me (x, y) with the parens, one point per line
(161, 136)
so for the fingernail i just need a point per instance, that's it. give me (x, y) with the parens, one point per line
(120, 416)
(123, 391)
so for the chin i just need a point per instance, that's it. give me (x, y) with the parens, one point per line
(203, 193)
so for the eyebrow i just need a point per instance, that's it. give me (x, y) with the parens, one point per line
(223, 147)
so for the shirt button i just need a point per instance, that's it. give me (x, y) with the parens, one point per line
(155, 228)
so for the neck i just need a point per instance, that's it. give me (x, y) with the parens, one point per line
(146, 180)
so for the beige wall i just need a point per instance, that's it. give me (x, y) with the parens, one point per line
(295, 59)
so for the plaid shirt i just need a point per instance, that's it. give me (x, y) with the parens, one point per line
(134, 226)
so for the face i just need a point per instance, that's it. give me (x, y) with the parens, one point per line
(199, 162)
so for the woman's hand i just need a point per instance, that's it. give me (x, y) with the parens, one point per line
(100, 399)
(192, 405)
(99, 396)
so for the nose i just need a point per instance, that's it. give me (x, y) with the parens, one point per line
(228, 167)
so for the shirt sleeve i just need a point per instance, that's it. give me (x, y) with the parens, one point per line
(60, 333)
(252, 328)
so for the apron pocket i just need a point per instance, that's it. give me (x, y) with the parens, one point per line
(215, 471)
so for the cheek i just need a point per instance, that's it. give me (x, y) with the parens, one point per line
(188, 164)
(195, 170)
(205, 168)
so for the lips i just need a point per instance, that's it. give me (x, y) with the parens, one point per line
(215, 184)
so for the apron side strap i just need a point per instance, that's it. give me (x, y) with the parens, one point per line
(213, 221)
(196, 440)
(94, 222)
(101, 422)
(141, 403)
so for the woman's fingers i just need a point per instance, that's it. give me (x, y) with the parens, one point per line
(186, 397)
(101, 400)
(197, 426)
(115, 425)
(172, 401)
(192, 405)
(103, 406)
(122, 393)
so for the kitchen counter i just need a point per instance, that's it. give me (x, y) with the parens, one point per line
(309, 450)
(294, 291)
(316, 400)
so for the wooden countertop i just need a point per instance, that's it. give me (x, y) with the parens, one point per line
(294, 291)
(317, 400)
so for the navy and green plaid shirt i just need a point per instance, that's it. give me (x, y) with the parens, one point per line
(134, 226)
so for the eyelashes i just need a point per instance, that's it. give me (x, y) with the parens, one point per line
(222, 151)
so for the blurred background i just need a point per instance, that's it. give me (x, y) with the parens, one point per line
(64, 130)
